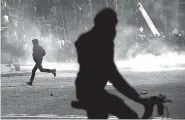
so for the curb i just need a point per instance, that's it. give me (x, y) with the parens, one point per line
(28, 73)
(16, 74)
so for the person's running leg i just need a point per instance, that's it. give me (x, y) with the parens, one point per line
(53, 71)
(33, 74)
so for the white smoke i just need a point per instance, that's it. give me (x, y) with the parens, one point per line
(165, 11)
(126, 45)
(23, 28)
(124, 41)
(150, 63)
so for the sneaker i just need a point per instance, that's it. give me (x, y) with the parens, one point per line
(29, 83)
(54, 72)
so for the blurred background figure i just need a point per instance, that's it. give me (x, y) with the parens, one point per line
(38, 54)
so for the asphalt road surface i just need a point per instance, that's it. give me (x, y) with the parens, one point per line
(50, 97)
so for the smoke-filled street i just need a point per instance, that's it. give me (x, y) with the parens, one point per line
(22, 101)
(144, 39)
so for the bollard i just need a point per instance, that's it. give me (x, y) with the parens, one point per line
(17, 67)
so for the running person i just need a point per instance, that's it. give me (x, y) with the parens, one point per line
(38, 54)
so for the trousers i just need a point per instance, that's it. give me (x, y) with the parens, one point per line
(38, 65)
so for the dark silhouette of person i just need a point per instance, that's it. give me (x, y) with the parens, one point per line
(38, 54)
(95, 50)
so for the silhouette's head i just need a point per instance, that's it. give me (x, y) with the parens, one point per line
(106, 19)
(35, 41)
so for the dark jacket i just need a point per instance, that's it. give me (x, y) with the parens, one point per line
(95, 51)
(38, 52)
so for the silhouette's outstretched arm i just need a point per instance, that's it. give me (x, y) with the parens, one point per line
(121, 85)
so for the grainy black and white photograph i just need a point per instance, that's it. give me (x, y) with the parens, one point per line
(92, 59)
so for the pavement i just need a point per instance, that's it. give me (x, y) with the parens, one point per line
(50, 97)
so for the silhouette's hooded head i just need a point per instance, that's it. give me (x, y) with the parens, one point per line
(106, 19)
(105, 24)
(35, 41)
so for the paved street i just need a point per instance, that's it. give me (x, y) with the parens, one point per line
(22, 101)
